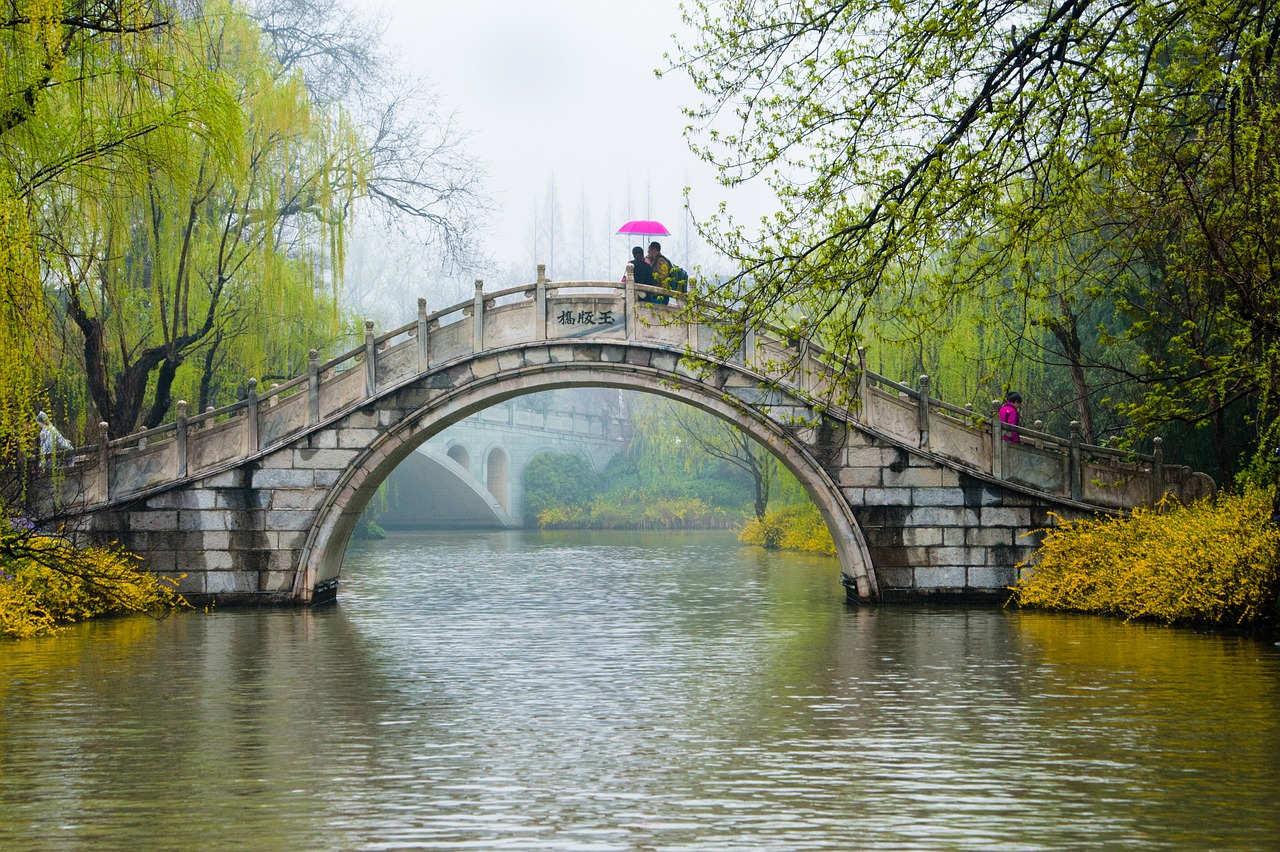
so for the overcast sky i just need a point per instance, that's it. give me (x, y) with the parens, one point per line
(563, 88)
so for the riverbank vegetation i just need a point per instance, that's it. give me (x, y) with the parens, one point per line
(682, 469)
(177, 185)
(1216, 561)
(1077, 200)
(47, 582)
(798, 527)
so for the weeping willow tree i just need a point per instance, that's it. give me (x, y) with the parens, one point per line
(25, 326)
(674, 442)
(191, 259)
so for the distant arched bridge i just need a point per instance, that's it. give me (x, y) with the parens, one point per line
(472, 474)
(256, 501)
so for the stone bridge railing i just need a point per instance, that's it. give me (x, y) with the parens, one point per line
(547, 312)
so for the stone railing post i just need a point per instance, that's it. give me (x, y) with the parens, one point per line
(1157, 471)
(1074, 465)
(313, 387)
(180, 438)
(274, 399)
(922, 411)
(629, 302)
(104, 461)
(749, 348)
(424, 352)
(863, 391)
(797, 337)
(477, 318)
(540, 304)
(802, 365)
(252, 413)
(370, 361)
(997, 441)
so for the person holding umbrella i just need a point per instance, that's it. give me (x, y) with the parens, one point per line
(640, 268)
(659, 266)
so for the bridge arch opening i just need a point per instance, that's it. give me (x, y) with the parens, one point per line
(321, 558)
(497, 477)
(459, 454)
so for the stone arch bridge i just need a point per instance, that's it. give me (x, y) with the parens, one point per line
(256, 501)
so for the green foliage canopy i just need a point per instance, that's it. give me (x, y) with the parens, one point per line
(1063, 151)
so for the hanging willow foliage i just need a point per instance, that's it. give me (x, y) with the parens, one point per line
(24, 325)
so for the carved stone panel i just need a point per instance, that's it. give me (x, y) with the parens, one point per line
(145, 468)
(217, 444)
(342, 391)
(285, 417)
(509, 324)
(1042, 469)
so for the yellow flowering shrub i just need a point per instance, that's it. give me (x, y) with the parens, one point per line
(561, 517)
(799, 528)
(1215, 561)
(46, 582)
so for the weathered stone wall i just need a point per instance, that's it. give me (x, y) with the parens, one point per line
(934, 531)
(237, 535)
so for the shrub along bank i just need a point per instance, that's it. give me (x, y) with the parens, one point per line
(799, 527)
(1215, 561)
(632, 510)
(46, 582)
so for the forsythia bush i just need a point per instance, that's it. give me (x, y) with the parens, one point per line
(1214, 561)
(46, 582)
(793, 528)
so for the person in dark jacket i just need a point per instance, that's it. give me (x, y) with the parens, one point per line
(642, 270)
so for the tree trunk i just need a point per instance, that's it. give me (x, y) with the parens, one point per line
(206, 377)
(164, 391)
(1066, 330)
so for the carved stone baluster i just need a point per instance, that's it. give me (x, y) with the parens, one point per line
(424, 350)
(477, 317)
(540, 304)
(251, 412)
(313, 387)
(370, 361)
(181, 438)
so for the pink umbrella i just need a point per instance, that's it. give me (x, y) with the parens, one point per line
(645, 227)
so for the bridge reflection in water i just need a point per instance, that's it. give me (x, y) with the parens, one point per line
(257, 501)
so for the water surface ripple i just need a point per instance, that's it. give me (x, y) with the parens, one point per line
(632, 691)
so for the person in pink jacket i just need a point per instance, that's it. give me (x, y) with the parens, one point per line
(1009, 415)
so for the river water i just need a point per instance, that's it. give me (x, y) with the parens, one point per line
(632, 691)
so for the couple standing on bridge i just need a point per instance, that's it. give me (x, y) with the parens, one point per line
(656, 271)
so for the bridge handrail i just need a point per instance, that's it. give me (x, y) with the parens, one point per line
(518, 290)
(200, 418)
(141, 435)
(280, 389)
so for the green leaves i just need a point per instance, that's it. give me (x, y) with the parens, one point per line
(1111, 166)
